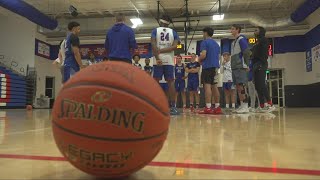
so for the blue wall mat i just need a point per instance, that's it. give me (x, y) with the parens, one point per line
(17, 93)
(12, 104)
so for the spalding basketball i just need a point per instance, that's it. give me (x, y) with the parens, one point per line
(110, 119)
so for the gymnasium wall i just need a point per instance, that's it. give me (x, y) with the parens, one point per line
(17, 36)
(45, 68)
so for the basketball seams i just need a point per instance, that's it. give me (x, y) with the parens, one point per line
(119, 89)
(105, 138)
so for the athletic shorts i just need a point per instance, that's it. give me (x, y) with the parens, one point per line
(180, 85)
(240, 76)
(68, 72)
(193, 85)
(164, 86)
(166, 70)
(228, 86)
(208, 76)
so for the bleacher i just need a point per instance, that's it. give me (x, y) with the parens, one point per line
(17, 90)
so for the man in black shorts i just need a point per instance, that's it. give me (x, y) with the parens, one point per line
(209, 58)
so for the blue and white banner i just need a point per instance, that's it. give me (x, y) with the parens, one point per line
(309, 60)
(316, 53)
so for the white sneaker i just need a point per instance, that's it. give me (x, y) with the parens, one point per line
(271, 108)
(252, 110)
(242, 110)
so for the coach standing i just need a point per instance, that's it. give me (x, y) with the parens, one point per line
(120, 41)
(260, 66)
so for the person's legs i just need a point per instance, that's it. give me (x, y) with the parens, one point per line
(227, 96)
(252, 94)
(233, 97)
(259, 79)
(182, 88)
(197, 99)
(168, 72)
(241, 76)
(216, 94)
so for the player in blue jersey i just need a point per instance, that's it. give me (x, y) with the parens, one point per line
(72, 62)
(193, 69)
(147, 67)
(164, 41)
(180, 84)
(209, 58)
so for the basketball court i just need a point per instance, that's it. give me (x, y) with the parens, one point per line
(283, 144)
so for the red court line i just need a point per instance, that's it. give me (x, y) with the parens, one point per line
(188, 165)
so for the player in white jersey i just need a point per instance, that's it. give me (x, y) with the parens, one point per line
(164, 41)
(228, 86)
(61, 57)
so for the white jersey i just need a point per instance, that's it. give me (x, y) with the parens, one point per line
(227, 72)
(63, 51)
(165, 37)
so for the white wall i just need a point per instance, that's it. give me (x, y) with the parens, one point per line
(293, 65)
(45, 68)
(17, 37)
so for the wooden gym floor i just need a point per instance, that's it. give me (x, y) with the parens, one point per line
(282, 145)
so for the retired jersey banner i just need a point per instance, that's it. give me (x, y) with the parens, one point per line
(316, 53)
(144, 50)
(42, 49)
(309, 61)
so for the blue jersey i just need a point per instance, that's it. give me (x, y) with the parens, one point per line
(148, 69)
(70, 60)
(193, 76)
(213, 54)
(179, 71)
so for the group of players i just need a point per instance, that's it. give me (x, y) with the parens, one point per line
(240, 66)
(120, 42)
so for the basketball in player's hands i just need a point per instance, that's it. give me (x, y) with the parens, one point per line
(110, 119)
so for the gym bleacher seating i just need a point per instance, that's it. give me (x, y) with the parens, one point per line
(13, 89)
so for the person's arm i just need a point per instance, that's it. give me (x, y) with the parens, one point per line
(155, 50)
(132, 41)
(197, 69)
(106, 45)
(245, 50)
(174, 44)
(75, 43)
(203, 50)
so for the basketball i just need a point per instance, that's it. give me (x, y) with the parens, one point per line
(110, 120)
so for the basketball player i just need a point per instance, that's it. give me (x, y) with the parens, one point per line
(120, 41)
(228, 85)
(136, 59)
(147, 67)
(240, 56)
(260, 66)
(251, 89)
(164, 41)
(72, 63)
(61, 57)
(180, 78)
(193, 69)
(209, 58)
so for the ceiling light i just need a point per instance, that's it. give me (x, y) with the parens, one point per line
(136, 21)
(134, 26)
(218, 17)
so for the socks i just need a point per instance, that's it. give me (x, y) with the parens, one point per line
(197, 105)
(208, 105)
(217, 105)
(245, 105)
(228, 106)
(233, 105)
(270, 103)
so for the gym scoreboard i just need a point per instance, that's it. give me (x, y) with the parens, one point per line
(253, 41)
